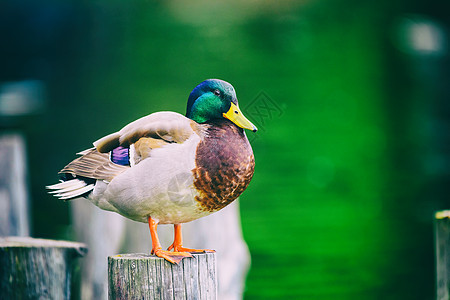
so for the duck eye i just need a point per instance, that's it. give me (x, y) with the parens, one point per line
(217, 92)
(236, 112)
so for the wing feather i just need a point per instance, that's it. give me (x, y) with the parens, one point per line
(94, 165)
(168, 126)
(141, 136)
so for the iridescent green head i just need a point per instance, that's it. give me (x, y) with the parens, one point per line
(215, 99)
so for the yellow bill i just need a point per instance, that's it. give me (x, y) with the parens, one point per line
(235, 115)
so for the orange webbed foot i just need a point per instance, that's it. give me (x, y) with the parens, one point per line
(179, 248)
(173, 257)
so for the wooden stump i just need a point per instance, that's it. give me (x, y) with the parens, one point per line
(143, 276)
(36, 268)
(443, 254)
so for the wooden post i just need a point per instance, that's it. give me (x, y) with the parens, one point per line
(143, 276)
(13, 187)
(443, 254)
(36, 268)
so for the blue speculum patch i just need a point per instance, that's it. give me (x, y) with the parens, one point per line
(121, 156)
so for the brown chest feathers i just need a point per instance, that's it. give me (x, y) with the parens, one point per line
(224, 165)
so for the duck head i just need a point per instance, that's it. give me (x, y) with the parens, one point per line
(216, 99)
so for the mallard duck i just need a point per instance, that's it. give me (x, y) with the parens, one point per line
(166, 168)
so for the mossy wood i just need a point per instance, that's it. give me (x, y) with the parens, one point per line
(443, 254)
(143, 276)
(36, 268)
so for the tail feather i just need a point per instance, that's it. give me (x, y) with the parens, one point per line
(73, 183)
(70, 189)
(80, 176)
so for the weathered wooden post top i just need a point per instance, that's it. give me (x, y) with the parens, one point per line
(36, 268)
(144, 276)
(442, 220)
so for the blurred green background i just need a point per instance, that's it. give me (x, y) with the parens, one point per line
(352, 99)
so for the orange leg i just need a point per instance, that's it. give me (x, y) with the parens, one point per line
(173, 257)
(178, 243)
